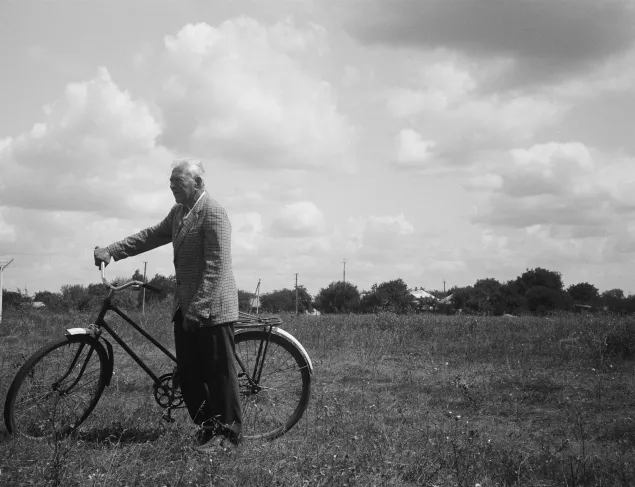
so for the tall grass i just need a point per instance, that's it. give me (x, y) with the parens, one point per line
(396, 400)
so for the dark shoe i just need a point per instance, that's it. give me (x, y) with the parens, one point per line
(215, 444)
(201, 437)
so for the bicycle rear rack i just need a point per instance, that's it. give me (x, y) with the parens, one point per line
(247, 320)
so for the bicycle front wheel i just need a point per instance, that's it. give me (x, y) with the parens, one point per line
(57, 388)
(274, 383)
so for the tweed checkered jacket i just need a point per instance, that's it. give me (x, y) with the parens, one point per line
(205, 285)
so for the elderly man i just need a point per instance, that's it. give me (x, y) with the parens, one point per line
(205, 302)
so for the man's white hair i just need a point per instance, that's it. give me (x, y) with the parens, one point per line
(193, 167)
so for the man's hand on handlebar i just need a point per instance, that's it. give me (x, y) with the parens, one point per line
(101, 255)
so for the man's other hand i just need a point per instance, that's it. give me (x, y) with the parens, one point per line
(191, 324)
(101, 255)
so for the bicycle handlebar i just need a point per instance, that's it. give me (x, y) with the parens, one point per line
(126, 284)
(152, 288)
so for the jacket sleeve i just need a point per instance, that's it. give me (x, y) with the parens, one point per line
(217, 257)
(148, 239)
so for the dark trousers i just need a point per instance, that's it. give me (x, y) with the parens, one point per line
(207, 372)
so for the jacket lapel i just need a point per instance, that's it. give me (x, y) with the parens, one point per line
(188, 223)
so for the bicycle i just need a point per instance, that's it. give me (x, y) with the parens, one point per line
(58, 387)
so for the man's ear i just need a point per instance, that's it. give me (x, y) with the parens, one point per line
(199, 182)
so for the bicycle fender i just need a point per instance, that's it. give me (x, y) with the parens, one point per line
(288, 336)
(298, 345)
(89, 330)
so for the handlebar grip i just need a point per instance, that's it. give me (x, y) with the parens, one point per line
(152, 288)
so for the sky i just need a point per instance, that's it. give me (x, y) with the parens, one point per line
(436, 141)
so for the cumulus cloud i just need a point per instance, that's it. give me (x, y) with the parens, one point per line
(7, 232)
(246, 231)
(484, 182)
(91, 140)
(563, 206)
(374, 245)
(300, 219)
(396, 225)
(560, 202)
(380, 240)
(546, 39)
(442, 100)
(412, 150)
(240, 92)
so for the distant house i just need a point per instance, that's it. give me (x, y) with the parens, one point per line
(583, 308)
(447, 300)
(421, 294)
(423, 300)
(38, 304)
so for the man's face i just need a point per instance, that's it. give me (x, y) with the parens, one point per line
(183, 185)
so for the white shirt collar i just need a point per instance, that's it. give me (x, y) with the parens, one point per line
(199, 199)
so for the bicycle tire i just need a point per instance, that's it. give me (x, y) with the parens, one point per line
(57, 388)
(277, 402)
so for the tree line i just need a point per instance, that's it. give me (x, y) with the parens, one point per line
(77, 297)
(537, 291)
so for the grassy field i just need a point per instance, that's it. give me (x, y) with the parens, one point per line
(396, 400)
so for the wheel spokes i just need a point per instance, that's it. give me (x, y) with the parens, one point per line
(57, 391)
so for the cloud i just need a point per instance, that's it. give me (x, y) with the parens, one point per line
(300, 219)
(380, 241)
(559, 202)
(412, 150)
(246, 231)
(442, 101)
(564, 170)
(91, 140)
(545, 39)
(311, 245)
(240, 92)
(485, 182)
(7, 232)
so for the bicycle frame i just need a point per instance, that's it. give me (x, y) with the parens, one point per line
(101, 323)
(246, 322)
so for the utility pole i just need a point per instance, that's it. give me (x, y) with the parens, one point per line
(2, 268)
(143, 303)
(257, 298)
(344, 273)
(444, 288)
(296, 293)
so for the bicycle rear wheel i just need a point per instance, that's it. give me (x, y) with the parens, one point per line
(57, 388)
(274, 383)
